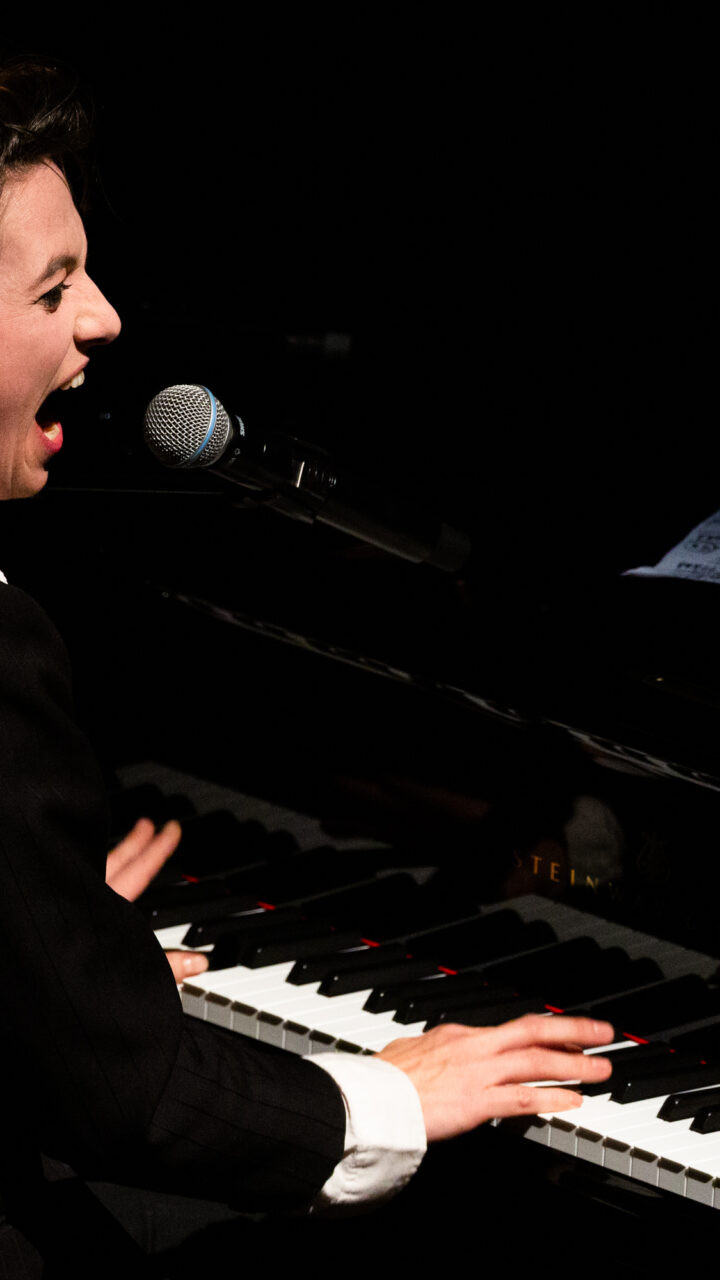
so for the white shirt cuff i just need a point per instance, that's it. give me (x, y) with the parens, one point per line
(385, 1133)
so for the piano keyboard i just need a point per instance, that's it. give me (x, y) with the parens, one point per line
(630, 1139)
(623, 1137)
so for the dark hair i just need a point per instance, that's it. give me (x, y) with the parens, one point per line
(42, 117)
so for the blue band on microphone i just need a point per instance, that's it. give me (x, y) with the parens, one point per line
(208, 434)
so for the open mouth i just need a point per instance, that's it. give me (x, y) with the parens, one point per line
(49, 412)
(48, 415)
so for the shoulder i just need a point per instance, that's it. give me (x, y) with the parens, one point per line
(33, 656)
(20, 614)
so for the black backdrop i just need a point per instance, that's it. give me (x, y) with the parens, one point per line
(512, 225)
(509, 226)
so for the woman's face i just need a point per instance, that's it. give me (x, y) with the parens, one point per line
(51, 313)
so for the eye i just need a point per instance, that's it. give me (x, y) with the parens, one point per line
(51, 300)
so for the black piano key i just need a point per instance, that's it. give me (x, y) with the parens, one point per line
(642, 1054)
(490, 1015)
(596, 1088)
(434, 987)
(658, 1051)
(315, 968)
(540, 973)
(486, 938)
(642, 972)
(196, 901)
(670, 1077)
(180, 910)
(565, 990)
(704, 1041)
(343, 981)
(252, 948)
(283, 949)
(304, 874)
(680, 1106)
(659, 1008)
(146, 801)
(532, 973)
(562, 974)
(194, 896)
(707, 1120)
(219, 843)
(448, 1005)
(378, 907)
(203, 933)
(217, 847)
(312, 872)
(431, 908)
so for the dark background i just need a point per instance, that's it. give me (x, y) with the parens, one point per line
(513, 228)
(512, 220)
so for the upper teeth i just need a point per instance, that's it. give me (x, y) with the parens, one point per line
(77, 381)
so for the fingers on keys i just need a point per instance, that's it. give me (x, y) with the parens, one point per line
(186, 964)
(560, 1031)
(508, 1100)
(536, 1048)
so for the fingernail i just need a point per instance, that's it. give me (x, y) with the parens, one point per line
(195, 964)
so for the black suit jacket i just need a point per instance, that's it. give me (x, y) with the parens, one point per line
(105, 1071)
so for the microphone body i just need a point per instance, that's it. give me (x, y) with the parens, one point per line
(187, 426)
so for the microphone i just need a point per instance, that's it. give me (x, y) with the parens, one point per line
(187, 426)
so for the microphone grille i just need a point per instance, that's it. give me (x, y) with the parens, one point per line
(186, 426)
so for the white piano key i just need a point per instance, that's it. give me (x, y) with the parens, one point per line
(218, 1010)
(227, 982)
(337, 1020)
(562, 1135)
(393, 1031)
(239, 975)
(327, 1013)
(630, 1139)
(671, 1175)
(699, 1186)
(688, 1147)
(691, 1169)
(170, 938)
(589, 1145)
(308, 997)
(243, 1019)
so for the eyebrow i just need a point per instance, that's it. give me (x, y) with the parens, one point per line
(64, 262)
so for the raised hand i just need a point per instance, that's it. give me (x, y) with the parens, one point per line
(131, 866)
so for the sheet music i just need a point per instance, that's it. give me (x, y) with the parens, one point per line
(697, 556)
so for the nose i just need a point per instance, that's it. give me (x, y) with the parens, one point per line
(96, 321)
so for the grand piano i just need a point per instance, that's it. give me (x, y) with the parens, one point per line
(509, 818)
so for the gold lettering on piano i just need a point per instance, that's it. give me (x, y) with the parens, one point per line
(546, 868)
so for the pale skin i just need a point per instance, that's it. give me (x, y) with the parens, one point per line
(51, 316)
(467, 1075)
